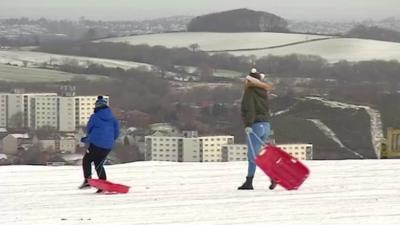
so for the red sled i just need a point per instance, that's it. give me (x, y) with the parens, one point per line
(108, 186)
(286, 170)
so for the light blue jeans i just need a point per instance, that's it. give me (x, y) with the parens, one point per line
(261, 131)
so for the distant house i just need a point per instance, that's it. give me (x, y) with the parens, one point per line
(4, 159)
(164, 129)
(56, 143)
(12, 142)
(72, 159)
(2, 135)
(66, 145)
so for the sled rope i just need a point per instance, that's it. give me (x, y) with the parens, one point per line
(251, 145)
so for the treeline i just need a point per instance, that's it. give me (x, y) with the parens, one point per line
(280, 66)
(374, 32)
(238, 20)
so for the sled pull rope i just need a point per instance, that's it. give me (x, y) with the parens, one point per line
(253, 153)
(101, 164)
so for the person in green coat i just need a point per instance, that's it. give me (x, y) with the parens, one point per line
(256, 118)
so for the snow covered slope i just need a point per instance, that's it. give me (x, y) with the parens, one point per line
(338, 192)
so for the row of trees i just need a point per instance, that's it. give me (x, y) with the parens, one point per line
(374, 32)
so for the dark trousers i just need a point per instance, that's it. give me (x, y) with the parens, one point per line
(98, 156)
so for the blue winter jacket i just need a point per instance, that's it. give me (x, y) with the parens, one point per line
(103, 129)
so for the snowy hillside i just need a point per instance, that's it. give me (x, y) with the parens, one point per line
(35, 59)
(338, 192)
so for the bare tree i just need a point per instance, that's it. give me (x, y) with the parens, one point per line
(16, 120)
(194, 47)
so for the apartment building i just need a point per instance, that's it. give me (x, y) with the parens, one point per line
(3, 110)
(185, 149)
(35, 110)
(211, 147)
(16, 108)
(299, 151)
(390, 147)
(234, 152)
(163, 148)
(238, 152)
(84, 108)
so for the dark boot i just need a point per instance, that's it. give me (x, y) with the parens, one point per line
(84, 185)
(273, 185)
(248, 184)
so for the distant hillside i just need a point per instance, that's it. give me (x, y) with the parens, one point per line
(239, 20)
(375, 33)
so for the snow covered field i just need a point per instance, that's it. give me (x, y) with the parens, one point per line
(337, 192)
(213, 41)
(334, 50)
(35, 59)
(18, 74)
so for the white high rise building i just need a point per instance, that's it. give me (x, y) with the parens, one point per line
(182, 149)
(36, 110)
(3, 110)
(211, 147)
(16, 109)
(238, 152)
(84, 108)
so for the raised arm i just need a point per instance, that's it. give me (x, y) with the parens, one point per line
(251, 81)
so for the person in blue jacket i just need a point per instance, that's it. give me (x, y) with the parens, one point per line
(102, 130)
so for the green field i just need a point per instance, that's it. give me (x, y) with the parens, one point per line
(21, 74)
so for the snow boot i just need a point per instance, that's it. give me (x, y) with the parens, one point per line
(273, 185)
(247, 185)
(84, 185)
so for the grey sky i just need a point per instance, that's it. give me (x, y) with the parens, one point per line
(337, 10)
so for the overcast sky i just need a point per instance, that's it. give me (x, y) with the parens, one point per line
(337, 10)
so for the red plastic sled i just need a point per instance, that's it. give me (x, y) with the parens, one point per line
(286, 170)
(108, 186)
